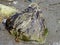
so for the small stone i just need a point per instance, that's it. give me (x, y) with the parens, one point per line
(9, 3)
(4, 20)
(15, 2)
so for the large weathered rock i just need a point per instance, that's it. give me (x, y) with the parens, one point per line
(29, 25)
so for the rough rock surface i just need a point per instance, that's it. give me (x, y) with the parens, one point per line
(28, 25)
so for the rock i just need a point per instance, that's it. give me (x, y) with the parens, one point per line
(30, 23)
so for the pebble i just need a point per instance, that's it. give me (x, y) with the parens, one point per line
(9, 3)
(15, 2)
(4, 20)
